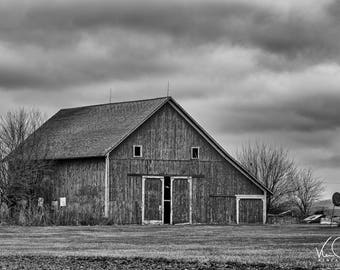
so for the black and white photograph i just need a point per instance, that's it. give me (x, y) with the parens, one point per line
(150, 134)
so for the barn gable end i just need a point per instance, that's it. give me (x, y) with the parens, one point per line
(166, 139)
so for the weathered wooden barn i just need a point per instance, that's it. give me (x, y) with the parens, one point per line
(147, 161)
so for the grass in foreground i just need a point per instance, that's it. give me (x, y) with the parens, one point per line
(256, 247)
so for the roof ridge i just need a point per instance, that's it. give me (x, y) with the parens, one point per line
(113, 103)
(129, 132)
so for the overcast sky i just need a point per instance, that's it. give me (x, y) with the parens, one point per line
(246, 70)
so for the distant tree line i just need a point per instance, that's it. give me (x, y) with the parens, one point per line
(292, 187)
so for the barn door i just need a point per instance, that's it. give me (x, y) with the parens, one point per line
(152, 190)
(181, 193)
(251, 211)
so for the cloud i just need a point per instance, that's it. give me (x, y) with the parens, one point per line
(69, 43)
(332, 161)
(88, 62)
(304, 101)
(269, 26)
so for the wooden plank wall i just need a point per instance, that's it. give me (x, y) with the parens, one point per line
(222, 209)
(153, 199)
(167, 140)
(251, 211)
(180, 201)
(82, 183)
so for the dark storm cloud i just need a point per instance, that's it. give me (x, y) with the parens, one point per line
(197, 20)
(303, 112)
(332, 161)
(323, 110)
(140, 38)
(92, 60)
(19, 77)
(81, 72)
(248, 23)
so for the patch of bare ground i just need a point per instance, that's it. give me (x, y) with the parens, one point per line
(98, 263)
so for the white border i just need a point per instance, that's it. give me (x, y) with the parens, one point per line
(143, 200)
(198, 154)
(254, 197)
(106, 186)
(189, 178)
(141, 150)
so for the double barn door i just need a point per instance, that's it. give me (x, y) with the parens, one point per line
(166, 200)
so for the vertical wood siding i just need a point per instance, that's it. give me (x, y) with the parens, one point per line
(153, 199)
(222, 209)
(251, 211)
(180, 201)
(167, 140)
(82, 183)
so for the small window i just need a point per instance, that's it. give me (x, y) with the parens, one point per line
(195, 152)
(137, 151)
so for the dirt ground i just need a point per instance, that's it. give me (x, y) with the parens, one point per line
(167, 247)
(98, 263)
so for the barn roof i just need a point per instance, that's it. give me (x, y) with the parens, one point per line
(94, 131)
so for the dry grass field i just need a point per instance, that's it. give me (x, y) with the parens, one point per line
(166, 247)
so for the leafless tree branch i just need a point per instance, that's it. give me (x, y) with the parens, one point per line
(273, 167)
(308, 189)
(23, 157)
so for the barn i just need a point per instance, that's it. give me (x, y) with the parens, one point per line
(147, 162)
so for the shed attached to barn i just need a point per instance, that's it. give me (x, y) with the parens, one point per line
(147, 161)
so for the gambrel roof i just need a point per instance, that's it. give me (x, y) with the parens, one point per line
(94, 131)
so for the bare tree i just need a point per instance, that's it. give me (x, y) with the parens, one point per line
(3, 176)
(307, 190)
(16, 126)
(273, 167)
(22, 153)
